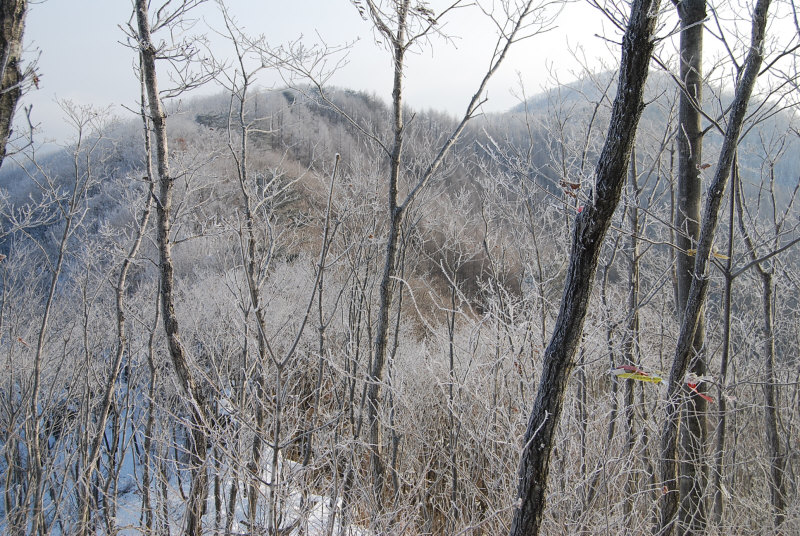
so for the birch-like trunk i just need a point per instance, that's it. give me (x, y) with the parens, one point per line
(179, 357)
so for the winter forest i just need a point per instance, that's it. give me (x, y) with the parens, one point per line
(304, 309)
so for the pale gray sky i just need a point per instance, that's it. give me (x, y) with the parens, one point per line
(82, 58)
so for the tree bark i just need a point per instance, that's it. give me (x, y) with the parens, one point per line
(590, 229)
(685, 350)
(694, 470)
(631, 341)
(386, 292)
(12, 25)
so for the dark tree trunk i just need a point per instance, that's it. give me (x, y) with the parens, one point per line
(685, 350)
(590, 230)
(694, 472)
(386, 294)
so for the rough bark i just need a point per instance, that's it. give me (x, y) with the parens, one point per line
(590, 229)
(386, 292)
(685, 351)
(12, 25)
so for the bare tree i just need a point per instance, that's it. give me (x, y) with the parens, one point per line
(178, 353)
(678, 389)
(694, 470)
(256, 264)
(61, 205)
(94, 447)
(403, 25)
(271, 427)
(775, 449)
(590, 228)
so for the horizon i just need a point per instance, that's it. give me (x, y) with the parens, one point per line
(441, 77)
(97, 68)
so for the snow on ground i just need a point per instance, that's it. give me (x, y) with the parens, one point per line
(312, 520)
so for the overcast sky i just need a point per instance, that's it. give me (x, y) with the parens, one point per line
(83, 57)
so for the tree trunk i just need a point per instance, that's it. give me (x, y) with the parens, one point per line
(694, 472)
(777, 458)
(12, 25)
(376, 375)
(178, 354)
(631, 344)
(147, 469)
(777, 463)
(591, 225)
(719, 440)
(685, 349)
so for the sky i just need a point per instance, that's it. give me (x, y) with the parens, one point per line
(83, 58)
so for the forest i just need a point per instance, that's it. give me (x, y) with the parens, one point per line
(307, 309)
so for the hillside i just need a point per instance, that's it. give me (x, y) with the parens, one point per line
(277, 275)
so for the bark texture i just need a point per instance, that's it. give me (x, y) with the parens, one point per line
(386, 293)
(722, 410)
(590, 229)
(12, 25)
